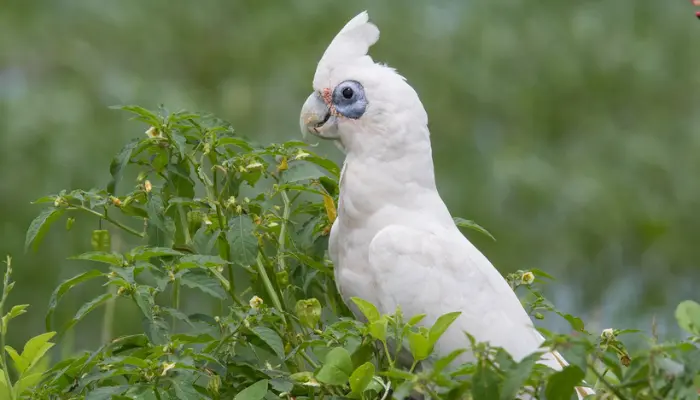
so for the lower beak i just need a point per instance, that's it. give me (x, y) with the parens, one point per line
(316, 118)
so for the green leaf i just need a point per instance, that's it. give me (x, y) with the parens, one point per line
(688, 316)
(135, 361)
(40, 225)
(198, 260)
(301, 172)
(146, 116)
(199, 279)
(119, 162)
(87, 308)
(33, 351)
(157, 329)
(4, 388)
(443, 362)
(378, 329)
(485, 383)
(441, 326)
(36, 348)
(415, 319)
(145, 302)
(256, 391)
(20, 364)
(561, 385)
(27, 382)
(244, 245)
(15, 312)
(224, 141)
(185, 390)
(575, 322)
(367, 309)
(106, 392)
(64, 287)
(361, 378)
(204, 241)
(180, 143)
(337, 367)
(516, 377)
(465, 223)
(420, 346)
(144, 253)
(100, 256)
(156, 211)
(271, 339)
(327, 164)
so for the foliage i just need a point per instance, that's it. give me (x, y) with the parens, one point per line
(247, 225)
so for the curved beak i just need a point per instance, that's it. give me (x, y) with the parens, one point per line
(316, 118)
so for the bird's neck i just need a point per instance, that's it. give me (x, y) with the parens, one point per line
(404, 179)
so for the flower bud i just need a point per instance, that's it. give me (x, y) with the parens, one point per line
(608, 334)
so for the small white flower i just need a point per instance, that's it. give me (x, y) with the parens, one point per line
(167, 367)
(153, 132)
(255, 302)
(527, 278)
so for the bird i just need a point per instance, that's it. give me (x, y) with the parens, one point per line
(394, 242)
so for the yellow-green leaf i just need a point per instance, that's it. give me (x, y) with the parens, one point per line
(367, 309)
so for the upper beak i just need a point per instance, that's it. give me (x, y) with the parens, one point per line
(316, 118)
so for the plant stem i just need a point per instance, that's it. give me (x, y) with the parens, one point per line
(156, 391)
(281, 241)
(185, 226)
(176, 300)
(612, 388)
(110, 219)
(268, 286)
(108, 319)
(308, 359)
(388, 354)
(413, 366)
(3, 328)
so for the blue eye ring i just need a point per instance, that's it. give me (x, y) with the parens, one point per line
(349, 99)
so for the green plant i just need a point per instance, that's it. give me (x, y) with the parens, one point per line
(247, 226)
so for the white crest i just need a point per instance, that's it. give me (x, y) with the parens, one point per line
(350, 45)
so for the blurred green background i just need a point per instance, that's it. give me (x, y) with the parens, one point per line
(568, 129)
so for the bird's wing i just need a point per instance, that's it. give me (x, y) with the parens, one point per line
(435, 272)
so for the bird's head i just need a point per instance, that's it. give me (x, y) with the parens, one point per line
(358, 103)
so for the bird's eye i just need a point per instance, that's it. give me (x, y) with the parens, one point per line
(349, 99)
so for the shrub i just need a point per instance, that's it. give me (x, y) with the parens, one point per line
(247, 225)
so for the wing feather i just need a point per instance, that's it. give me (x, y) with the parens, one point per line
(434, 273)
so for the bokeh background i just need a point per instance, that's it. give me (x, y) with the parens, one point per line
(569, 129)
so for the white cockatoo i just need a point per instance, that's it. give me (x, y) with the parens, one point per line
(394, 243)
